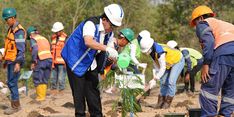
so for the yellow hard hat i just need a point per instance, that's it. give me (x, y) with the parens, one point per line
(199, 11)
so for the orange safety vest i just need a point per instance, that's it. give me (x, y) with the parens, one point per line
(43, 47)
(57, 46)
(223, 31)
(10, 45)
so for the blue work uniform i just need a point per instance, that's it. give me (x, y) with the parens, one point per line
(221, 71)
(42, 70)
(12, 78)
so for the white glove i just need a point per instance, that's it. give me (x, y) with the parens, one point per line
(142, 65)
(112, 52)
(152, 83)
(4, 90)
(1, 85)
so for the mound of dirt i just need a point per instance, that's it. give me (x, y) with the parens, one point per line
(112, 113)
(185, 103)
(35, 114)
(68, 105)
(49, 109)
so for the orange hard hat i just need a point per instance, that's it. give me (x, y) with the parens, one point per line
(199, 11)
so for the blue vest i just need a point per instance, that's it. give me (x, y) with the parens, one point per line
(157, 49)
(75, 53)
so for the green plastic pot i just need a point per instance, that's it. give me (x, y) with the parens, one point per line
(194, 112)
(123, 60)
(175, 115)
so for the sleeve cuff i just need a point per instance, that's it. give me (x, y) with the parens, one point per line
(206, 62)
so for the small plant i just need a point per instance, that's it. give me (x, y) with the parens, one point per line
(127, 99)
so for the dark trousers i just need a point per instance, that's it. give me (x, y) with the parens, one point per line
(193, 74)
(84, 89)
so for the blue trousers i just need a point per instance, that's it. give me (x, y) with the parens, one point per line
(58, 77)
(168, 80)
(12, 81)
(221, 79)
(41, 73)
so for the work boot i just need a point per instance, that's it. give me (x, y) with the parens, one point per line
(167, 102)
(15, 107)
(41, 92)
(161, 100)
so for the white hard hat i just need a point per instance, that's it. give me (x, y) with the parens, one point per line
(58, 26)
(144, 34)
(146, 44)
(115, 14)
(172, 44)
(2, 50)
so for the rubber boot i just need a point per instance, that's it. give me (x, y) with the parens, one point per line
(161, 100)
(41, 92)
(167, 102)
(15, 107)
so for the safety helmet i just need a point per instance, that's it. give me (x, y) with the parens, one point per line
(8, 12)
(58, 26)
(30, 30)
(146, 44)
(143, 33)
(115, 14)
(199, 11)
(128, 34)
(172, 44)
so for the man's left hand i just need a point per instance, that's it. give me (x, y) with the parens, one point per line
(205, 73)
(17, 68)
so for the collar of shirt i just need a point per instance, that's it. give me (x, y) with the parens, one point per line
(101, 27)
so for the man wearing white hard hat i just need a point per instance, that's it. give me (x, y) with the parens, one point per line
(80, 54)
(168, 63)
(58, 75)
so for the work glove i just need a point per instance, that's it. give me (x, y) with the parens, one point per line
(111, 52)
(152, 83)
(1, 85)
(142, 65)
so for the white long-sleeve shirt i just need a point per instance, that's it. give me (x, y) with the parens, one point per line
(161, 68)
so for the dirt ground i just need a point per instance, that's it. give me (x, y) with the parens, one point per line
(61, 105)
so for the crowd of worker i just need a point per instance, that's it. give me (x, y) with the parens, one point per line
(92, 49)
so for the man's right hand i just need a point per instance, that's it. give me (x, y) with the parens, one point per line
(187, 77)
(33, 66)
(112, 52)
(152, 83)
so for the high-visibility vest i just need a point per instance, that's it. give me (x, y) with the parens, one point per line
(43, 47)
(193, 54)
(57, 46)
(10, 45)
(76, 54)
(172, 56)
(127, 49)
(223, 31)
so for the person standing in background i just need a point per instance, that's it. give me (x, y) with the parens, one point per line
(58, 76)
(14, 56)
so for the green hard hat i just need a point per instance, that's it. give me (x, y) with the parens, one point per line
(128, 33)
(30, 29)
(8, 12)
(123, 60)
